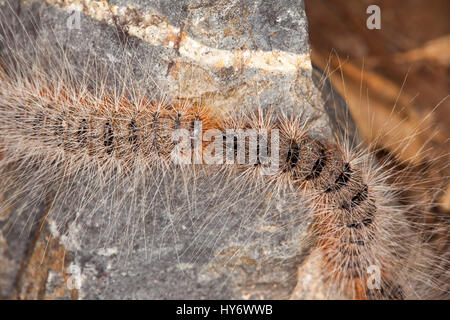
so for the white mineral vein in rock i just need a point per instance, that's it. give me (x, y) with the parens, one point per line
(161, 33)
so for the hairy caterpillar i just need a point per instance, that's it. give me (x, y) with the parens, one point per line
(65, 132)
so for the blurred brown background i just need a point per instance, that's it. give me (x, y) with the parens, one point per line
(405, 64)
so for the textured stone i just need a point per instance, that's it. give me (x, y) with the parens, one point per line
(220, 53)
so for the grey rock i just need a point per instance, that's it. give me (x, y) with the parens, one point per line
(237, 244)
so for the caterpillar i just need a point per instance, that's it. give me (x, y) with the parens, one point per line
(65, 131)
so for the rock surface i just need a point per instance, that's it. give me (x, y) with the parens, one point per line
(222, 53)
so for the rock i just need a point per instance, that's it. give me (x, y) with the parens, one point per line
(222, 54)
